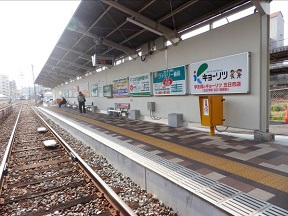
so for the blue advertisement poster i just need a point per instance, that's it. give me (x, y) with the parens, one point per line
(170, 82)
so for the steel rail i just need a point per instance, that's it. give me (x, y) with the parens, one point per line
(4, 166)
(108, 193)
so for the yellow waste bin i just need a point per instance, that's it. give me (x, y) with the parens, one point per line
(211, 111)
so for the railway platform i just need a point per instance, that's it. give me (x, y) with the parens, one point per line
(251, 168)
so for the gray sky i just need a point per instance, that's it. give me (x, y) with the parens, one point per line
(30, 30)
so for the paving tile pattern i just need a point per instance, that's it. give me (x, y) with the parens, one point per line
(266, 156)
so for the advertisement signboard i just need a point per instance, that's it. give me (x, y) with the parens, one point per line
(170, 82)
(65, 93)
(140, 85)
(70, 93)
(84, 88)
(120, 88)
(226, 75)
(94, 90)
(75, 91)
(107, 90)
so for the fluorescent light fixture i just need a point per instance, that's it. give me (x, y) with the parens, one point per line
(144, 26)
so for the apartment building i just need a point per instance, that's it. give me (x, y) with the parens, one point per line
(4, 85)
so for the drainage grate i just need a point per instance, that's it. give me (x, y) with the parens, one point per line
(198, 183)
(221, 195)
(188, 173)
(218, 193)
(273, 211)
(243, 205)
(206, 182)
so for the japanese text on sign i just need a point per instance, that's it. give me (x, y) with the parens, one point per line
(223, 75)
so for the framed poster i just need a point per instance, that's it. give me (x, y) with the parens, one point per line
(107, 90)
(120, 88)
(170, 82)
(70, 93)
(84, 88)
(226, 75)
(93, 90)
(65, 93)
(75, 91)
(140, 85)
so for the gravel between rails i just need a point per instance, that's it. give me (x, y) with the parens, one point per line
(6, 128)
(138, 199)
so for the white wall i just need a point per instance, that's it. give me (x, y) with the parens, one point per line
(240, 110)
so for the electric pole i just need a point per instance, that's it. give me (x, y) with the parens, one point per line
(34, 85)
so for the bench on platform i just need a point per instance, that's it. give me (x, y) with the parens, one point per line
(68, 104)
(119, 109)
(89, 106)
(71, 105)
(74, 105)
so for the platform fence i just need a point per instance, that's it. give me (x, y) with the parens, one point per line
(278, 103)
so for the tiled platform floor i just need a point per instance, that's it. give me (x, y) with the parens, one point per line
(259, 169)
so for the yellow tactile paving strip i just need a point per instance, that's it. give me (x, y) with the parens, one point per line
(264, 177)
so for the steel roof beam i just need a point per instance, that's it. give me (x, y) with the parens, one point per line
(61, 74)
(118, 27)
(46, 84)
(41, 81)
(66, 71)
(50, 80)
(160, 20)
(168, 33)
(131, 52)
(202, 21)
(57, 75)
(82, 54)
(74, 64)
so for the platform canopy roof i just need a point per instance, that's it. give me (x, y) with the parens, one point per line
(120, 28)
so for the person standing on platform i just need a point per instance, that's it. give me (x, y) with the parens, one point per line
(81, 100)
(63, 102)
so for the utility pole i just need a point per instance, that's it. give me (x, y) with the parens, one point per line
(34, 85)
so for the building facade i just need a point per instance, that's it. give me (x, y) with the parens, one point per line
(4, 85)
(276, 30)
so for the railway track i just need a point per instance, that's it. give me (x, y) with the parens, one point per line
(40, 180)
(6, 126)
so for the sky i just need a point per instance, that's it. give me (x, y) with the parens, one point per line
(29, 32)
(31, 29)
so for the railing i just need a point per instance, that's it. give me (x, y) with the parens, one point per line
(278, 46)
(5, 112)
(279, 103)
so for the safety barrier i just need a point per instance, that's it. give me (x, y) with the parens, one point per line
(5, 112)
